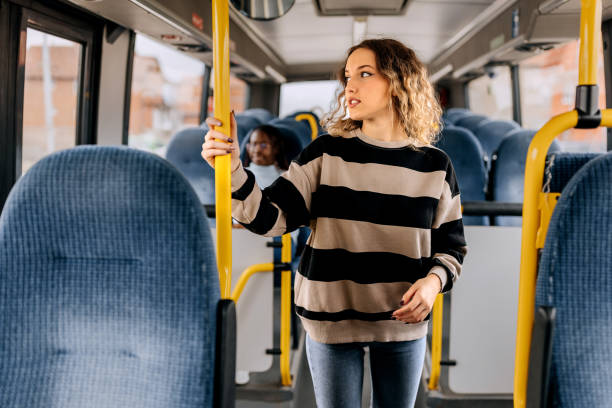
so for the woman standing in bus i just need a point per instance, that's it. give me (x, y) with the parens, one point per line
(387, 234)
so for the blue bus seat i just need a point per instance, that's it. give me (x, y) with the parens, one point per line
(301, 129)
(109, 290)
(263, 115)
(575, 278)
(466, 155)
(562, 166)
(508, 171)
(491, 133)
(319, 128)
(452, 115)
(184, 152)
(246, 123)
(471, 121)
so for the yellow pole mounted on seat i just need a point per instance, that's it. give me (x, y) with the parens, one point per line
(436, 342)
(590, 39)
(221, 65)
(285, 312)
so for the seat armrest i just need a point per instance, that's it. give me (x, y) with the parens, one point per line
(540, 357)
(225, 358)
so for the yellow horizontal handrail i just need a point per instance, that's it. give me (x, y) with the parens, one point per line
(436, 342)
(246, 275)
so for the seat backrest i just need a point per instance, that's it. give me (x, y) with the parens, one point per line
(575, 277)
(108, 285)
(452, 115)
(508, 171)
(319, 128)
(491, 133)
(561, 167)
(466, 155)
(246, 123)
(184, 153)
(301, 129)
(471, 121)
(263, 115)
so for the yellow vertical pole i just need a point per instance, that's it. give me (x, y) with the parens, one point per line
(436, 342)
(590, 41)
(220, 20)
(285, 312)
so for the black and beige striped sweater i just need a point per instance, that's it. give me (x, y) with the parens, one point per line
(382, 214)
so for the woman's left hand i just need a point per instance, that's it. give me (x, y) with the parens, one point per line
(418, 300)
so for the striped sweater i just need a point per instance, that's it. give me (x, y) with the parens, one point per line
(382, 214)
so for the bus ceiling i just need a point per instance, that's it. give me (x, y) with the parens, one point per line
(283, 49)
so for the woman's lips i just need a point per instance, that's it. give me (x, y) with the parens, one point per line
(353, 102)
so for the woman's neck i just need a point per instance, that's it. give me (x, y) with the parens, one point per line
(383, 127)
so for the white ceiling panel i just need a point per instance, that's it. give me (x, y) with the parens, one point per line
(301, 36)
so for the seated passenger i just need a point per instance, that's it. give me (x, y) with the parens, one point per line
(266, 155)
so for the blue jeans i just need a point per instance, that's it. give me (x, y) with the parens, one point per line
(337, 372)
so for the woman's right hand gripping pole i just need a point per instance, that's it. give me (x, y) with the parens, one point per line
(218, 144)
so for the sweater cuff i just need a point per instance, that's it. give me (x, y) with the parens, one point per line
(239, 177)
(440, 272)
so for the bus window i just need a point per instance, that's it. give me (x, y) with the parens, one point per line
(166, 94)
(491, 95)
(548, 88)
(50, 98)
(239, 93)
(314, 96)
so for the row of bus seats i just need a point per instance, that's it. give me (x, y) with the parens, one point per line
(489, 158)
(109, 293)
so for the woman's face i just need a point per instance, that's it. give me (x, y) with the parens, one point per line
(260, 149)
(367, 90)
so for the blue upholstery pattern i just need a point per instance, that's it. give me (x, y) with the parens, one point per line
(108, 285)
(466, 155)
(184, 152)
(575, 277)
(509, 171)
(491, 133)
(563, 166)
(471, 121)
(263, 115)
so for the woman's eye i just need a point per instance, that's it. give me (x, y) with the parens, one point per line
(365, 73)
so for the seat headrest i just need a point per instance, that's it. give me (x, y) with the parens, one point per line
(184, 152)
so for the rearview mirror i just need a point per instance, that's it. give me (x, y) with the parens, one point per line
(262, 9)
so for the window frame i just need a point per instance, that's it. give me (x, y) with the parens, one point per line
(60, 20)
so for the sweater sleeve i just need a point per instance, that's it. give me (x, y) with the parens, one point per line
(284, 205)
(448, 246)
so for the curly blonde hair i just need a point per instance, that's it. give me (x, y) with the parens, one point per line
(412, 95)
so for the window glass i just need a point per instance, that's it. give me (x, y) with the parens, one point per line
(548, 88)
(239, 93)
(50, 97)
(314, 96)
(166, 94)
(491, 94)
